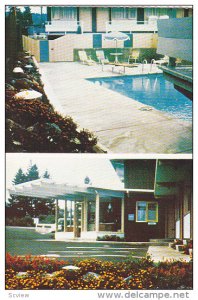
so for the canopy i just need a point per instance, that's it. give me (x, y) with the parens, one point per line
(116, 36)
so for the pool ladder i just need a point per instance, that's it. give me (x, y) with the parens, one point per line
(152, 63)
(144, 63)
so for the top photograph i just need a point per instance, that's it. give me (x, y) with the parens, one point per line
(99, 79)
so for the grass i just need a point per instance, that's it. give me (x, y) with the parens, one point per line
(25, 241)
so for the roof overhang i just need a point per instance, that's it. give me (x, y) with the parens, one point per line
(48, 189)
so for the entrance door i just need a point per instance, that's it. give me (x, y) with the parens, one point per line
(77, 219)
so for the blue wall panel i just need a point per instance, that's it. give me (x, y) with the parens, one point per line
(129, 43)
(97, 40)
(44, 51)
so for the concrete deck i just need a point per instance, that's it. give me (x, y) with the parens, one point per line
(163, 253)
(120, 123)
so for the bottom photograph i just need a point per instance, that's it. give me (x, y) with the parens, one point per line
(89, 222)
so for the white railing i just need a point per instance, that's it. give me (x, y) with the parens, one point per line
(134, 25)
(63, 26)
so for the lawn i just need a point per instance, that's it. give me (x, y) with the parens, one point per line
(24, 241)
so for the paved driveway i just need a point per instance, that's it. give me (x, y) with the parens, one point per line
(21, 241)
(120, 123)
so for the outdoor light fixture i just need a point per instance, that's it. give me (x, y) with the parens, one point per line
(109, 207)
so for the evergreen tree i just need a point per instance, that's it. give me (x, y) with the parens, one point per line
(32, 172)
(46, 175)
(20, 177)
(20, 206)
(26, 20)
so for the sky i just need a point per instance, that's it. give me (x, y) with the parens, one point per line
(65, 168)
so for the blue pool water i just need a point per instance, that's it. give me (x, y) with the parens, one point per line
(152, 90)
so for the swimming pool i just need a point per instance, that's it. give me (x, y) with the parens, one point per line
(152, 90)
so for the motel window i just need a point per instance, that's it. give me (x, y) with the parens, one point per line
(64, 13)
(120, 13)
(156, 12)
(146, 211)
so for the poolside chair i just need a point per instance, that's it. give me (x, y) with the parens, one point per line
(101, 57)
(85, 59)
(178, 62)
(162, 61)
(133, 56)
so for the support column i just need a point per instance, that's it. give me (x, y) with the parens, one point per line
(122, 215)
(97, 213)
(85, 214)
(56, 214)
(82, 216)
(75, 219)
(65, 216)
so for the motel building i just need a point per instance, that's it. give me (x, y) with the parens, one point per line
(154, 202)
(70, 29)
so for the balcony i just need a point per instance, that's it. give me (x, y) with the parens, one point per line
(132, 25)
(62, 27)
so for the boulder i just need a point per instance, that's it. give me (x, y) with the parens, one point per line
(22, 83)
(91, 276)
(71, 268)
(128, 279)
(22, 274)
(9, 87)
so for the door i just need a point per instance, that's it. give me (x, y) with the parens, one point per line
(77, 219)
(44, 51)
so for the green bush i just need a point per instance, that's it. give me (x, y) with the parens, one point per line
(24, 222)
(50, 219)
(38, 128)
(34, 126)
(112, 237)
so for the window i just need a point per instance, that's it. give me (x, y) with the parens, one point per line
(156, 12)
(64, 13)
(146, 211)
(120, 13)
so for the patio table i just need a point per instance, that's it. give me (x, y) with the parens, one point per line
(116, 54)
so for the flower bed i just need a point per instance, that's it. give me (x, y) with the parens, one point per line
(32, 125)
(44, 273)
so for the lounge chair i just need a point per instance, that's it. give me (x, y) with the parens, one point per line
(101, 57)
(85, 59)
(163, 61)
(133, 56)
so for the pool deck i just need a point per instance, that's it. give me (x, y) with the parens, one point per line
(122, 125)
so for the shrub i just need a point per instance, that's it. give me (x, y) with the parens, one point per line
(26, 221)
(50, 219)
(112, 237)
(38, 128)
(34, 126)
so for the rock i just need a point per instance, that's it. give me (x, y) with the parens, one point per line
(71, 268)
(18, 70)
(90, 276)
(22, 83)
(22, 274)
(9, 87)
(48, 127)
(128, 279)
(54, 127)
(22, 75)
(28, 95)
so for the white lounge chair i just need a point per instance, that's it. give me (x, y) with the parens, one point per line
(101, 57)
(85, 59)
(163, 61)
